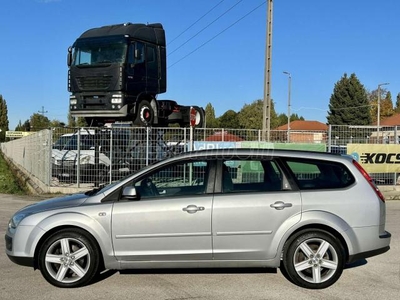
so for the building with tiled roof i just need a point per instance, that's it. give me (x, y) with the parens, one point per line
(303, 132)
(304, 125)
(390, 121)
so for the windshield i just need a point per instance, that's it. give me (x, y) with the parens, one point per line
(94, 51)
(70, 142)
(61, 142)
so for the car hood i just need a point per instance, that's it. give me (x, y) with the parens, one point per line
(54, 203)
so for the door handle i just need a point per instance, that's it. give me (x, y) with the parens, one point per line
(279, 205)
(191, 209)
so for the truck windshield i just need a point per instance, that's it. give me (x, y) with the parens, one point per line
(94, 51)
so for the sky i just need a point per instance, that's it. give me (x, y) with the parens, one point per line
(216, 50)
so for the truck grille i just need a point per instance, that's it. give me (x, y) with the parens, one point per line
(93, 82)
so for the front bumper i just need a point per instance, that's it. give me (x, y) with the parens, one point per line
(19, 260)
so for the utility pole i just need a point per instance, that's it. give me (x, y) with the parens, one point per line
(42, 112)
(288, 105)
(266, 132)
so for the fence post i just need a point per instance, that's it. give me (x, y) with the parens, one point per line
(78, 159)
(147, 145)
(111, 154)
(184, 139)
(329, 137)
(49, 149)
(191, 139)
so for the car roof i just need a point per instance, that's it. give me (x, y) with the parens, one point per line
(228, 153)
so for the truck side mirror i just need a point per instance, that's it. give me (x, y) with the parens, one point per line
(138, 54)
(69, 56)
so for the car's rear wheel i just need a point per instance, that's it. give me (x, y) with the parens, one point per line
(69, 258)
(313, 259)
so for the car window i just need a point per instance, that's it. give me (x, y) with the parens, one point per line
(315, 174)
(250, 175)
(184, 178)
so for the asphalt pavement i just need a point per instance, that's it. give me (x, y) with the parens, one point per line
(374, 278)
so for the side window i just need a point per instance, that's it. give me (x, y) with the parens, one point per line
(183, 179)
(315, 174)
(150, 53)
(250, 175)
(136, 53)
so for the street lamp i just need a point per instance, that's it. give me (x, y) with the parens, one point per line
(378, 121)
(288, 107)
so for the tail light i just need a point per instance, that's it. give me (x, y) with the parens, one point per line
(369, 179)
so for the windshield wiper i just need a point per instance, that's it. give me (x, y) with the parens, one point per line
(95, 190)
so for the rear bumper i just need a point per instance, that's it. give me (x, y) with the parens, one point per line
(384, 242)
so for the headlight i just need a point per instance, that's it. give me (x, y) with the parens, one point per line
(16, 219)
(72, 100)
(84, 159)
(117, 98)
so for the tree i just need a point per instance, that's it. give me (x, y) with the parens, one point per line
(282, 118)
(251, 115)
(229, 120)
(387, 106)
(349, 103)
(39, 122)
(386, 109)
(3, 119)
(71, 121)
(57, 123)
(397, 106)
(211, 120)
(76, 122)
(81, 122)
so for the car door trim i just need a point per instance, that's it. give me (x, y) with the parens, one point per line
(162, 235)
(243, 233)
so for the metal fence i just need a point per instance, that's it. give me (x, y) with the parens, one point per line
(85, 157)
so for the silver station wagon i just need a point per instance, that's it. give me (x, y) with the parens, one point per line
(308, 213)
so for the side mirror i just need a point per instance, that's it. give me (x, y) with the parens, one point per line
(129, 193)
(69, 56)
(138, 54)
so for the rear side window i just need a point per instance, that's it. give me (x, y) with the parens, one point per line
(250, 176)
(317, 174)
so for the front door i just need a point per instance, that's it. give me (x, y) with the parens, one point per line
(171, 220)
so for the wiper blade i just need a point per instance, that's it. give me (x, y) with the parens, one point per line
(95, 190)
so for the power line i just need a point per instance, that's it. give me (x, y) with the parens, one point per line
(331, 109)
(204, 28)
(196, 22)
(215, 36)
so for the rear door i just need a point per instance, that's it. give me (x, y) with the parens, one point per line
(253, 207)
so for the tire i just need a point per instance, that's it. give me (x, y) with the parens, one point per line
(313, 259)
(144, 114)
(200, 116)
(69, 258)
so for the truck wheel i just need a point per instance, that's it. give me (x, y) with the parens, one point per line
(313, 259)
(144, 114)
(69, 258)
(199, 117)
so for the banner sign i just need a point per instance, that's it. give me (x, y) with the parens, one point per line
(376, 158)
(17, 134)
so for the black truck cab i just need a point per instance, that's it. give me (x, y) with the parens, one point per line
(116, 72)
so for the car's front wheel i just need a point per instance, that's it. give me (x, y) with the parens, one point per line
(69, 258)
(313, 259)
